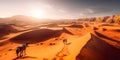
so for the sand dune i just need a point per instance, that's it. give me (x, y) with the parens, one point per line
(88, 40)
(39, 35)
(84, 46)
(76, 26)
(50, 52)
(36, 36)
(6, 29)
(97, 49)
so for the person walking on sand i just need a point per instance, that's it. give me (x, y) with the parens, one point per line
(63, 52)
(65, 42)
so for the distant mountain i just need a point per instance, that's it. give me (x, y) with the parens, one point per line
(21, 19)
(107, 19)
(12, 19)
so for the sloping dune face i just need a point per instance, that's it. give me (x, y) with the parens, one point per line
(97, 49)
(6, 29)
(76, 26)
(36, 36)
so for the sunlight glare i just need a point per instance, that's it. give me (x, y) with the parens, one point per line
(38, 13)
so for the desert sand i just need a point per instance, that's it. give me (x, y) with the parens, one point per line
(87, 41)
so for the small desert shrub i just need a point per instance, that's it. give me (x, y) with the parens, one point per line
(95, 28)
(104, 29)
(56, 39)
(41, 43)
(53, 43)
(10, 49)
(50, 44)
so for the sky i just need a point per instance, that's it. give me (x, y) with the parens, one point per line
(56, 9)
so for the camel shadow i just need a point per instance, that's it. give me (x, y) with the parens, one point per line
(24, 57)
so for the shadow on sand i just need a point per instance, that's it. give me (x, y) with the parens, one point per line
(98, 49)
(62, 53)
(24, 57)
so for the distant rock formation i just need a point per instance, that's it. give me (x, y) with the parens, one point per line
(107, 19)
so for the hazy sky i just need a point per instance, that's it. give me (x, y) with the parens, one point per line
(59, 8)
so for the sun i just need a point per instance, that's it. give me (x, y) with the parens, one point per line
(38, 13)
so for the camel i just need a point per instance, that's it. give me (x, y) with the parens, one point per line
(21, 50)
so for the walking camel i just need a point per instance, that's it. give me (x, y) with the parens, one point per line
(21, 50)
